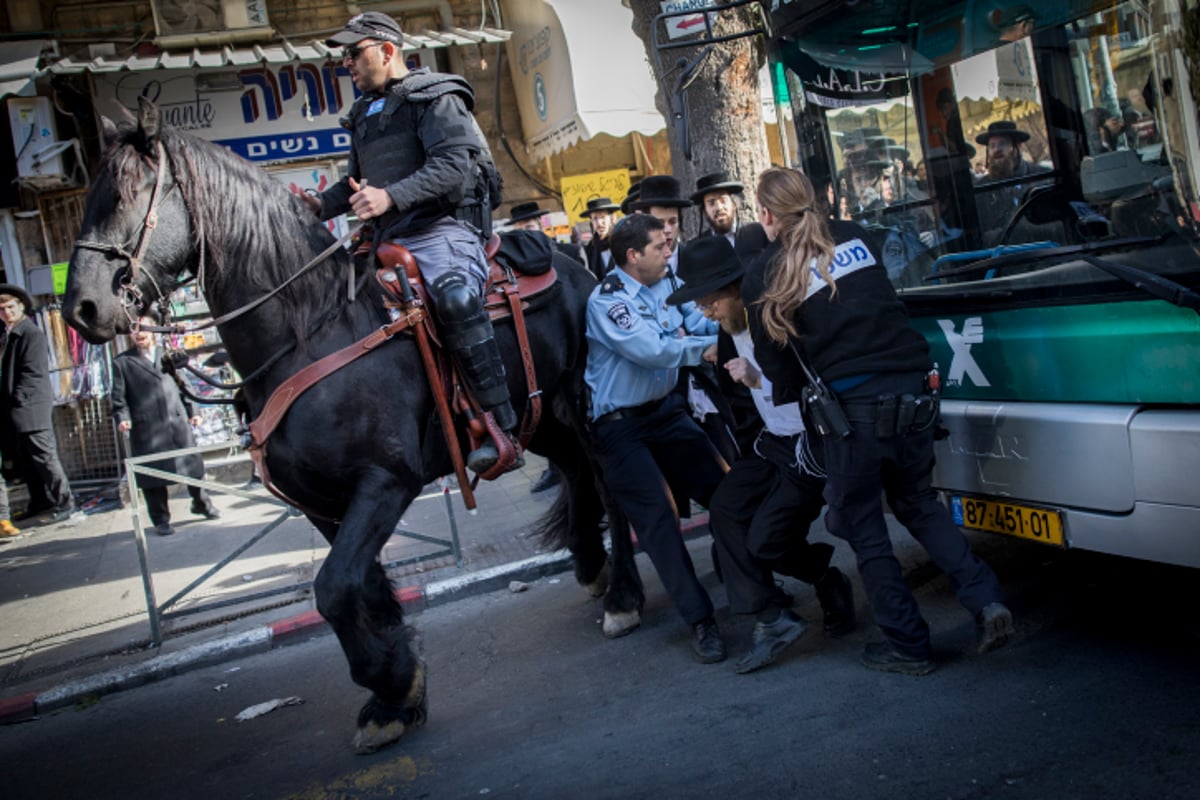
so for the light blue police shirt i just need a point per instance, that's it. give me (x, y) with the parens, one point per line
(635, 345)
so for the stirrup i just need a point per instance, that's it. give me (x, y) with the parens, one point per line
(507, 452)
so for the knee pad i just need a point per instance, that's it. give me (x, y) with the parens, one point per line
(454, 298)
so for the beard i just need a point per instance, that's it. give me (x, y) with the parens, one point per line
(1001, 168)
(722, 226)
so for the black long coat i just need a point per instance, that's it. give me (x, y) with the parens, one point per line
(25, 397)
(155, 408)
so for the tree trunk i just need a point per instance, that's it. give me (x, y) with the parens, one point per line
(724, 109)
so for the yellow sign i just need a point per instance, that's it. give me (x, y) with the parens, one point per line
(578, 189)
(58, 273)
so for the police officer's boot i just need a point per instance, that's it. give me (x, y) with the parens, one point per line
(472, 344)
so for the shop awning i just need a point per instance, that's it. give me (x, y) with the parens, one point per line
(281, 53)
(578, 70)
(19, 66)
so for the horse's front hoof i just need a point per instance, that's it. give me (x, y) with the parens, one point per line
(618, 624)
(599, 584)
(381, 723)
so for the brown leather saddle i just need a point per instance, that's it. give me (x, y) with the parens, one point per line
(507, 294)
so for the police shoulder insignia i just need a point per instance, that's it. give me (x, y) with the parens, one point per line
(611, 284)
(619, 314)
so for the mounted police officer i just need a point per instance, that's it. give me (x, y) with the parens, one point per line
(420, 169)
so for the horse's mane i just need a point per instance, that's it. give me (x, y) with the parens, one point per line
(256, 232)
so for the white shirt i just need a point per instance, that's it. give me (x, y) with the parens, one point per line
(780, 420)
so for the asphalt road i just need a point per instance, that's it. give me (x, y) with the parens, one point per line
(1096, 699)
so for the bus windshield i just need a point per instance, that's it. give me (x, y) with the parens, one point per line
(968, 131)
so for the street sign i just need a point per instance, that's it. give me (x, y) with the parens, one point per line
(678, 27)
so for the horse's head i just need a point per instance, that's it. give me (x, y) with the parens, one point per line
(136, 241)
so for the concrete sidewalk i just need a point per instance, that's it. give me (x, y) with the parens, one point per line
(74, 609)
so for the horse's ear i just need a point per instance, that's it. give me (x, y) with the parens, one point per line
(148, 121)
(108, 131)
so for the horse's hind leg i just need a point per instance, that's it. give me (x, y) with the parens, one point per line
(354, 594)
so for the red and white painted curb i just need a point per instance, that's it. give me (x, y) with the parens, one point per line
(413, 599)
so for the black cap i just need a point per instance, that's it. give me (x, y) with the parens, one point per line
(523, 211)
(716, 182)
(599, 204)
(706, 265)
(635, 189)
(660, 190)
(20, 294)
(369, 25)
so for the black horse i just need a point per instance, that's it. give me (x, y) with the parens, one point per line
(360, 444)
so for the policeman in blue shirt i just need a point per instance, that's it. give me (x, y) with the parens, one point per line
(645, 438)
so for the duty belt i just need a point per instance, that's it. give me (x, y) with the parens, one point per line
(894, 415)
(629, 413)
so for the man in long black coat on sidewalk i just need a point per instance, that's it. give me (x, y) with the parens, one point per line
(26, 404)
(150, 406)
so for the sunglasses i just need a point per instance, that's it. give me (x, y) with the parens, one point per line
(353, 51)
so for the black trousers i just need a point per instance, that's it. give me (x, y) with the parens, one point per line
(37, 454)
(639, 457)
(860, 469)
(158, 504)
(760, 517)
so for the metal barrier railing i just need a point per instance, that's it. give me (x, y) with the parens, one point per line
(135, 466)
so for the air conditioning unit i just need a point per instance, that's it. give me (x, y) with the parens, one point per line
(182, 17)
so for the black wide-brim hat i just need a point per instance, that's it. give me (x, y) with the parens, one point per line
(20, 294)
(368, 25)
(523, 211)
(660, 190)
(706, 265)
(714, 183)
(1003, 128)
(599, 204)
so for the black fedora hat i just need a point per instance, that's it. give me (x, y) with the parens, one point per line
(19, 293)
(706, 265)
(1003, 128)
(716, 182)
(599, 204)
(523, 211)
(660, 190)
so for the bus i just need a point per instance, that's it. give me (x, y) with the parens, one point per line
(1029, 171)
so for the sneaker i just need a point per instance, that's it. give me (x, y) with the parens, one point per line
(882, 656)
(60, 515)
(995, 623)
(706, 642)
(163, 529)
(8, 530)
(837, 602)
(771, 639)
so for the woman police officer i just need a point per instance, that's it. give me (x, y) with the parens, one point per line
(825, 296)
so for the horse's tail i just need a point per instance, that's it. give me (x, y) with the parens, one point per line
(553, 529)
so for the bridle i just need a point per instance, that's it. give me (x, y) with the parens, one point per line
(130, 296)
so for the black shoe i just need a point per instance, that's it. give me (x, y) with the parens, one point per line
(163, 529)
(882, 656)
(995, 623)
(837, 601)
(209, 511)
(706, 642)
(548, 479)
(771, 639)
(33, 512)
